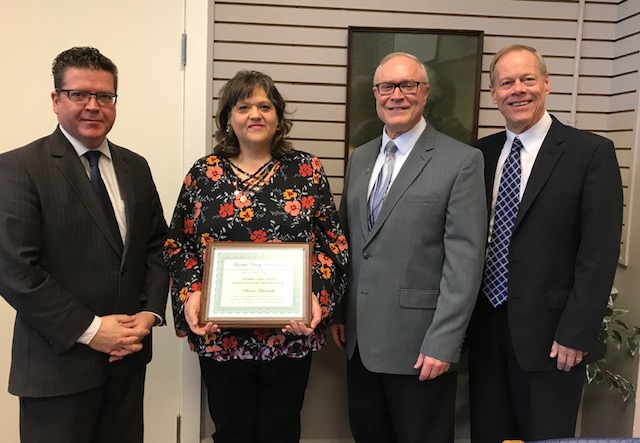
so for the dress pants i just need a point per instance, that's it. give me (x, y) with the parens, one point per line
(507, 402)
(112, 412)
(390, 408)
(254, 401)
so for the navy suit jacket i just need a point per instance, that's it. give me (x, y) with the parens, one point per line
(565, 244)
(60, 264)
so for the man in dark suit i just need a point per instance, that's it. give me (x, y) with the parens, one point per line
(415, 217)
(550, 264)
(84, 274)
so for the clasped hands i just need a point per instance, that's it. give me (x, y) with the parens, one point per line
(192, 315)
(120, 335)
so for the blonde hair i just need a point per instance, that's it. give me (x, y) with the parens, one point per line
(514, 48)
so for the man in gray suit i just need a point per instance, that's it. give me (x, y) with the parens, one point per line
(81, 232)
(416, 223)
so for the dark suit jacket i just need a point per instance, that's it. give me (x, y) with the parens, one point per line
(59, 264)
(414, 278)
(565, 244)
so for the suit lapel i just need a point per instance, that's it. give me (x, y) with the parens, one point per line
(550, 152)
(491, 154)
(412, 167)
(70, 165)
(125, 183)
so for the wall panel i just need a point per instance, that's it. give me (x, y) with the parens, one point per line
(280, 53)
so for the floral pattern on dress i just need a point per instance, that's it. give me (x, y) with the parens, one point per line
(294, 205)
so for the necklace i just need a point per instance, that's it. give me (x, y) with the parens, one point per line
(249, 186)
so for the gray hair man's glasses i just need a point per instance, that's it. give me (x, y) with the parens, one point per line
(387, 88)
(83, 97)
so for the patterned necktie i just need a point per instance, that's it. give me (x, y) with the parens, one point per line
(101, 192)
(381, 186)
(495, 280)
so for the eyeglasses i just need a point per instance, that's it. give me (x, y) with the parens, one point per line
(83, 97)
(408, 88)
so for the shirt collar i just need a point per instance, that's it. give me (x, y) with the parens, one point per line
(533, 134)
(82, 149)
(406, 141)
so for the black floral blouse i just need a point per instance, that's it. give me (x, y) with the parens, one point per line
(294, 205)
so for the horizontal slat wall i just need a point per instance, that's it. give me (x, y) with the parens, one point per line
(623, 112)
(302, 44)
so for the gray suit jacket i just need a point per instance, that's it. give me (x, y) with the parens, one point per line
(414, 278)
(60, 266)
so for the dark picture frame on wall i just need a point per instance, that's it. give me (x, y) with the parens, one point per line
(453, 59)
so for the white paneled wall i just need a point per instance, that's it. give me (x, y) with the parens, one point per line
(303, 46)
(622, 118)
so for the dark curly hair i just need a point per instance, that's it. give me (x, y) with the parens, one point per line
(238, 88)
(82, 57)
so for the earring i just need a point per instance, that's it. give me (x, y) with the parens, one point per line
(227, 129)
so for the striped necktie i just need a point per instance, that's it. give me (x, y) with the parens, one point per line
(383, 181)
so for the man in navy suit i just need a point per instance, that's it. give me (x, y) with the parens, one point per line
(84, 274)
(529, 347)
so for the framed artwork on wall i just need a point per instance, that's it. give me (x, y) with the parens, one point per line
(454, 63)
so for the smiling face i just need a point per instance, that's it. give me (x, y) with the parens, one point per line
(400, 112)
(519, 89)
(254, 121)
(90, 122)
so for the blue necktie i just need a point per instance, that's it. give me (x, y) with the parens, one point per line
(495, 280)
(103, 195)
(381, 186)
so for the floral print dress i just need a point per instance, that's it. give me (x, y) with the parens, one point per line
(293, 205)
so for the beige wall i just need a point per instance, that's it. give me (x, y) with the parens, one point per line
(145, 44)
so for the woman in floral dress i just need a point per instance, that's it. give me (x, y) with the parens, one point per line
(255, 188)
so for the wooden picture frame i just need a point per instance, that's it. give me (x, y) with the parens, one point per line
(256, 285)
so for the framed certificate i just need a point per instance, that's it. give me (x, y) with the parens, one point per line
(255, 285)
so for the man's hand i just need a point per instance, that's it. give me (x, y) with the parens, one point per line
(142, 320)
(192, 315)
(116, 338)
(338, 334)
(299, 328)
(430, 367)
(566, 357)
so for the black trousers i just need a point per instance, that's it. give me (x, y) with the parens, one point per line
(256, 401)
(109, 413)
(390, 408)
(507, 402)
